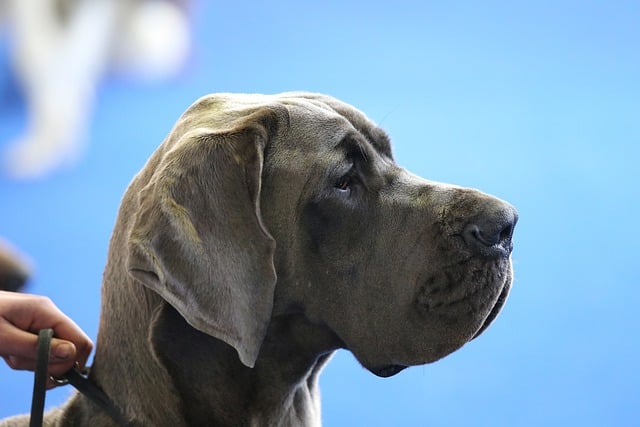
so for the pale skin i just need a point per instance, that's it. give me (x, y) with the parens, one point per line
(22, 316)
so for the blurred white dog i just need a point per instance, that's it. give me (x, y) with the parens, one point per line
(61, 49)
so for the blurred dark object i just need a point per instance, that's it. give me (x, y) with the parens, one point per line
(14, 269)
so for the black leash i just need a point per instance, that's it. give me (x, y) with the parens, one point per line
(73, 377)
(40, 377)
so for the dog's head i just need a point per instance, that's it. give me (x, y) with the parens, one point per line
(256, 206)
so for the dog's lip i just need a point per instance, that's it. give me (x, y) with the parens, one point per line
(497, 307)
(387, 371)
(436, 294)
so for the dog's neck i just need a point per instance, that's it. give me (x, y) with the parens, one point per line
(286, 373)
(281, 389)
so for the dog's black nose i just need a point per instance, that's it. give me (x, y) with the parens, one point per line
(489, 233)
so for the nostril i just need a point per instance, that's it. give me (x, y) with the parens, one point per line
(506, 234)
(473, 235)
(490, 235)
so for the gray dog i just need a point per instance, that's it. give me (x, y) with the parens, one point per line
(265, 233)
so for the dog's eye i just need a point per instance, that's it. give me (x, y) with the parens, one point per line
(344, 183)
(347, 183)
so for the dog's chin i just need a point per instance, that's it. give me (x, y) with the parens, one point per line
(387, 371)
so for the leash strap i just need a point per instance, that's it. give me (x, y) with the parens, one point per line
(40, 377)
(73, 377)
(95, 394)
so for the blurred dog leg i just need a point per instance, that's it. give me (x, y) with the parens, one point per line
(59, 60)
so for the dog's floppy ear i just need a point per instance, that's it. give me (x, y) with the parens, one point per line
(198, 239)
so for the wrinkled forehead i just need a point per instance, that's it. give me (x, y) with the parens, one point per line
(301, 115)
(333, 120)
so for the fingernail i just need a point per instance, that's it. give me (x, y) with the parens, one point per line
(63, 351)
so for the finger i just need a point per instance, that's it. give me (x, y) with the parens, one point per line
(35, 312)
(62, 357)
(62, 350)
(16, 342)
(47, 315)
(55, 370)
(20, 363)
(68, 333)
(20, 347)
(83, 350)
(57, 367)
(20, 315)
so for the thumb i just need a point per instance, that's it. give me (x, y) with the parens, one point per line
(62, 350)
(62, 357)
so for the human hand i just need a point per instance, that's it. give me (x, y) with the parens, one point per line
(22, 316)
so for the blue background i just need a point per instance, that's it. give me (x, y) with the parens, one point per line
(535, 102)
